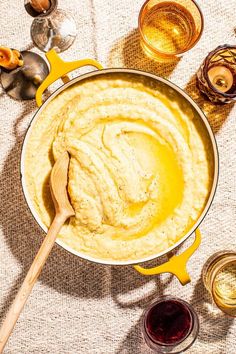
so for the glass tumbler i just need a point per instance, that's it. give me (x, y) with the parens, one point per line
(219, 277)
(169, 325)
(169, 28)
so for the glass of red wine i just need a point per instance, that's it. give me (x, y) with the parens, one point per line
(170, 325)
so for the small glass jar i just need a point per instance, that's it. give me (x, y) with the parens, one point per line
(216, 76)
(169, 325)
(219, 277)
(169, 28)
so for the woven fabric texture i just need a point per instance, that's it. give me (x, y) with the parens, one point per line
(78, 307)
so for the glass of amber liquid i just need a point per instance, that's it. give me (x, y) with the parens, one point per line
(169, 28)
(219, 277)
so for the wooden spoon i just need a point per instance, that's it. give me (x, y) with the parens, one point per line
(63, 208)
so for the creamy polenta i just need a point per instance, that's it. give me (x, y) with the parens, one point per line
(140, 169)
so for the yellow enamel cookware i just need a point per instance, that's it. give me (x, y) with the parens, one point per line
(59, 70)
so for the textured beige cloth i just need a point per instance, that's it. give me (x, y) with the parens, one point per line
(78, 307)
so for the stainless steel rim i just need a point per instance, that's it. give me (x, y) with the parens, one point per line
(159, 79)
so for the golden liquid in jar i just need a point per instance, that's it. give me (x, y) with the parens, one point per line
(224, 285)
(169, 28)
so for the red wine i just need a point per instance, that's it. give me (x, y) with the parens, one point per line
(168, 322)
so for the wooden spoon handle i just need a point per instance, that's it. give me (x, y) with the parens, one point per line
(30, 279)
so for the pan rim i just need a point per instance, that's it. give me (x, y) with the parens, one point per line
(159, 79)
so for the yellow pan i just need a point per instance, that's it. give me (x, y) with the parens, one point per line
(59, 70)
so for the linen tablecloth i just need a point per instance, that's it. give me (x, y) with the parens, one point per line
(77, 306)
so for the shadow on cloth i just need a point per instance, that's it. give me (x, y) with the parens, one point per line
(134, 342)
(29, 46)
(129, 283)
(2, 93)
(127, 52)
(214, 324)
(63, 271)
(215, 113)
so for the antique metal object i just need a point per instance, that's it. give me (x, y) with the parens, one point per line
(22, 83)
(52, 28)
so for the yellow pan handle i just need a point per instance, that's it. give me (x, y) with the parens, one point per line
(176, 264)
(58, 69)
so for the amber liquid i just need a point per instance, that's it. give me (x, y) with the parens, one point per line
(219, 277)
(169, 28)
(224, 287)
